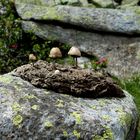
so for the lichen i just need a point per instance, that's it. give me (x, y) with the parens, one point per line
(17, 120)
(106, 118)
(125, 119)
(48, 124)
(35, 107)
(16, 107)
(77, 117)
(28, 14)
(60, 103)
(102, 103)
(76, 134)
(65, 133)
(96, 137)
(52, 13)
(93, 107)
(6, 79)
(108, 133)
(29, 96)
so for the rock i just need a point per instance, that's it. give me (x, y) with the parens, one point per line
(84, 62)
(40, 2)
(99, 19)
(104, 3)
(70, 2)
(129, 2)
(121, 51)
(135, 9)
(70, 80)
(56, 2)
(32, 113)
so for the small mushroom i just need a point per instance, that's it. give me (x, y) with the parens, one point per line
(74, 52)
(55, 53)
(56, 72)
(32, 58)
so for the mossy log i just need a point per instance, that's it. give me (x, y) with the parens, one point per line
(69, 80)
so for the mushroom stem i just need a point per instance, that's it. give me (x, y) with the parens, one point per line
(76, 62)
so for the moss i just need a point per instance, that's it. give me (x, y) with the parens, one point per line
(35, 107)
(77, 116)
(6, 79)
(17, 120)
(76, 134)
(16, 107)
(48, 124)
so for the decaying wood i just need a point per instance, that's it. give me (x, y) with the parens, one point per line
(69, 80)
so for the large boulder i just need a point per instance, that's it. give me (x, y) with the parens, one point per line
(28, 112)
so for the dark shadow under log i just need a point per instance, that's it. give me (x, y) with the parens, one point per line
(69, 80)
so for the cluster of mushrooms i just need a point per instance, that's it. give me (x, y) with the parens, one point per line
(56, 53)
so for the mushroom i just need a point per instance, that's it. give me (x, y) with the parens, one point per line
(74, 52)
(55, 53)
(32, 57)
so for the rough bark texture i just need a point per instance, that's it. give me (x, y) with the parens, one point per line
(29, 113)
(77, 82)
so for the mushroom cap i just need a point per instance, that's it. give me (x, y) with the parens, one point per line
(55, 52)
(74, 51)
(32, 57)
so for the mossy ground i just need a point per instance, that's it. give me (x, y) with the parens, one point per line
(132, 85)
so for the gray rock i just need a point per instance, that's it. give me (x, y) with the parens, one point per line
(70, 2)
(55, 2)
(84, 62)
(122, 52)
(39, 2)
(104, 3)
(27, 113)
(129, 2)
(110, 20)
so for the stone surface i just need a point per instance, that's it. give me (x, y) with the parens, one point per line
(130, 2)
(122, 52)
(27, 112)
(56, 2)
(104, 3)
(99, 19)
